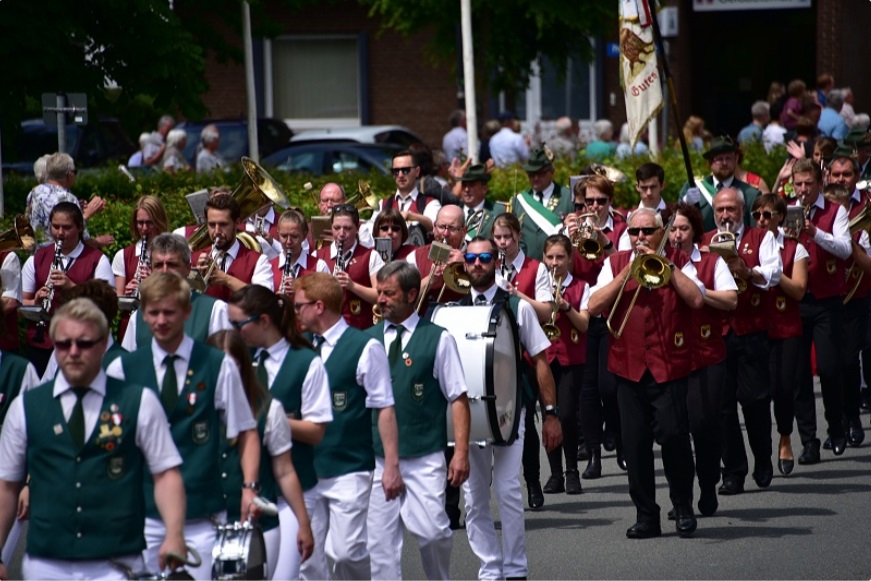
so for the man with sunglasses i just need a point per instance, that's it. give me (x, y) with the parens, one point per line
(722, 157)
(652, 359)
(542, 208)
(202, 395)
(500, 465)
(450, 229)
(171, 253)
(757, 266)
(110, 441)
(478, 211)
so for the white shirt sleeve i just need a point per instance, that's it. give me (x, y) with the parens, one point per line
(543, 289)
(364, 234)
(322, 266)
(606, 275)
(230, 399)
(449, 368)
(128, 342)
(625, 243)
(373, 373)
(838, 241)
(723, 279)
(375, 263)
(115, 369)
(263, 273)
(50, 368)
(118, 266)
(28, 277)
(531, 336)
(11, 275)
(316, 405)
(153, 436)
(276, 436)
(104, 271)
(770, 263)
(431, 210)
(689, 271)
(585, 299)
(13, 443)
(219, 320)
(800, 253)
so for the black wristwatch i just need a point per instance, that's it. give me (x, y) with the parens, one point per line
(550, 410)
(255, 486)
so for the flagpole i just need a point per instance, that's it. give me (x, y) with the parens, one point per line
(672, 95)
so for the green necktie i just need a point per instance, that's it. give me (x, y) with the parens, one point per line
(318, 343)
(396, 346)
(76, 423)
(169, 387)
(262, 375)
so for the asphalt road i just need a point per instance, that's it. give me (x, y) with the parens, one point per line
(813, 524)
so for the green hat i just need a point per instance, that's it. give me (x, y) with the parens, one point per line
(858, 137)
(844, 150)
(476, 173)
(540, 158)
(720, 144)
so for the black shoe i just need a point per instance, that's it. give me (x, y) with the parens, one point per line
(609, 441)
(643, 530)
(573, 482)
(827, 445)
(685, 524)
(594, 466)
(708, 502)
(810, 454)
(763, 477)
(839, 444)
(621, 461)
(457, 524)
(583, 453)
(731, 487)
(864, 399)
(785, 466)
(855, 433)
(534, 495)
(555, 484)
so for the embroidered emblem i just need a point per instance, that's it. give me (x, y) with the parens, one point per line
(201, 387)
(354, 306)
(58, 430)
(192, 399)
(755, 300)
(706, 331)
(408, 362)
(678, 339)
(105, 417)
(417, 391)
(340, 400)
(574, 336)
(780, 303)
(115, 468)
(200, 433)
(831, 266)
(114, 408)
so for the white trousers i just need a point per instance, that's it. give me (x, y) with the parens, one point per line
(198, 533)
(11, 542)
(272, 541)
(286, 564)
(499, 465)
(338, 506)
(41, 568)
(420, 510)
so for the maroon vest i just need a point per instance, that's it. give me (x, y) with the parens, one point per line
(424, 265)
(658, 334)
(242, 268)
(356, 311)
(404, 251)
(751, 315)
(311, 262)
(708, 322)
(419, 204)
(785, 314)
(9, 339)
(571, 346)
(524, 280)
(826, 272)
(189, 230)
(81, 270)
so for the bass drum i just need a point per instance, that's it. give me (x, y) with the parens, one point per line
(485, 336)
(239, 552)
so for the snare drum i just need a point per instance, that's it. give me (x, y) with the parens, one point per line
(239, 552)
(485, 336)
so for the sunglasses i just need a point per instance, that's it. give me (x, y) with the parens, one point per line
(350, 208)
(648, 230)
(600, 201)
(402, 170)
(390, 228)
(239, 324)
(484, 257)
(579, 206)
(764, 214)
(82, 344)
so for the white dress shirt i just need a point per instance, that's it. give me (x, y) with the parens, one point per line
(723, 279)
(836, 242)
(10, 272)
(606, 275)
(262, 274)
(544, 288)
(517, 264)
(770, 262)
(532, 337)
(270, 251)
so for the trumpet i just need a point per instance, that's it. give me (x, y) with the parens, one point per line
(131, 303)
(340, 258)
(650, 271)
(585, 238)
(287, 273)
(724, 243)
(550, 329)
(216, 254)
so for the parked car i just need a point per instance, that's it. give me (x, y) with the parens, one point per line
(332, 157)
(101, 142)
(272, 134)
(383, 134)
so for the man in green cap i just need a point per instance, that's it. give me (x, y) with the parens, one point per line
(542, 208)
(722, 157)
(859, 139)
(478, 212)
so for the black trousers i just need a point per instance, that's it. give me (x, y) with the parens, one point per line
(598, 396)
(785, 363)
(649, 412)
(568, 389)
(855, 335)
(531, 447)
(704, 407)
(822, 326)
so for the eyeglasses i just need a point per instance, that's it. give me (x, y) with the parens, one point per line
(446, 228)
(390, 228)
(402, 170)
(600, 201)
(484, 257)
(82, 344)
(764, 214)
(648, 230)
(239, 324)
(298, 306)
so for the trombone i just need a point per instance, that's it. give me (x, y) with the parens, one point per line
(550, 329)
(650, 271)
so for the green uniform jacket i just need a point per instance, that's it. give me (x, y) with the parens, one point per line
(532, 237)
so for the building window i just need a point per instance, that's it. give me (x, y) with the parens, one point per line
(314, 80)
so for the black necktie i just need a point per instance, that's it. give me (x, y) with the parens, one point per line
(540, 197)
(468, 214)
(480, 299)
(396, 346)
(262, 375)
(720, 186)
(76, 423)
(169, 387)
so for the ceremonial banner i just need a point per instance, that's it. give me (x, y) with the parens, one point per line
(639, 73)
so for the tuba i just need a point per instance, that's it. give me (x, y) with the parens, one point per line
(19, 236)
(456, 279)
(364, 200)
(650, 271)
(860, 222)
(585, 238)
(550, 329)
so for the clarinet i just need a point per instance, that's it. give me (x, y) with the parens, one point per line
(56, 264)
(144, 260)
(340, 258)
(288, 270)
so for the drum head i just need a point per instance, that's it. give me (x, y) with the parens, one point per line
(506, 374)
(239, 552)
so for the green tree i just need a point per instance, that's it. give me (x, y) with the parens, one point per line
(508, 34)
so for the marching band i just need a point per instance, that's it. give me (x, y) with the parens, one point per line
(312, 379)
